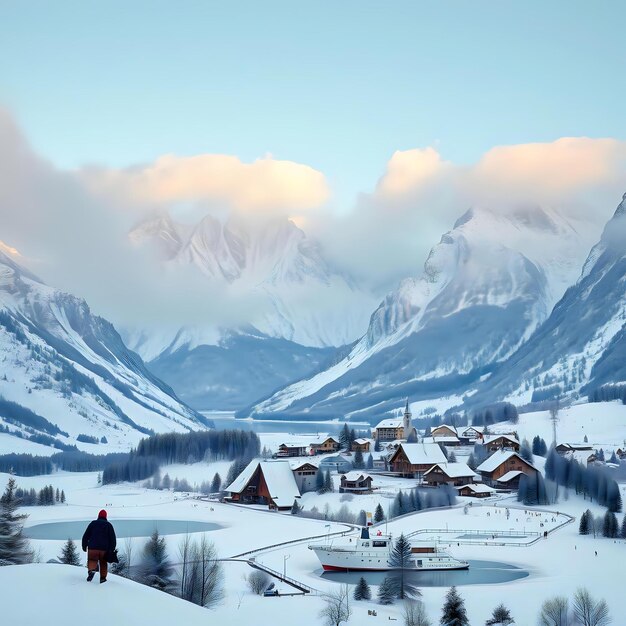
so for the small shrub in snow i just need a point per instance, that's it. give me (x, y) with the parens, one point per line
(258, 582)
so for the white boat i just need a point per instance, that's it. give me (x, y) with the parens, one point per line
(372, 554)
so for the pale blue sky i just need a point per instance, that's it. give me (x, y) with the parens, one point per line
(338, 85)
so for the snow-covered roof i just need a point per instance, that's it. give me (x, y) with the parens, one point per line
(320, 439)
(390, 423)
(297, 463)
(509, 476)
(423, 453)
(454, 470)
(295, 444)
(278, 477)
(490, 438)
(496, 459)
(238, 485)
(361, 441)
(354, 477)
(479, 488)
(448, 426)
(441, 439)
(478, 429)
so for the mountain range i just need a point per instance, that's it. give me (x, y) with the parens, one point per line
(65, 372)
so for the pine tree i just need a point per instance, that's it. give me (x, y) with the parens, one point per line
(295, 508)
(609, 526)
(156, 569)
(370, 462)
(362, 590)
(358, 459)
(57, 495)
(387, 591)
(501, 616)
(69, 553)
(452, 457)
(379, 514)
(328, 482)
(344, 437)
(319, 481)
(400, 560)
(216, 483)
(622, 533)
(584, 526)
(14, 547)
(454, 613)
(525, 451)
(471, 461)
(377, 444)
(62, 497)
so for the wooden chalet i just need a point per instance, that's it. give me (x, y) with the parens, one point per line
(476, 491)
(566, 448)
(389, 430)
(500, 463)
(412, 460)
(361, 444)
(500, 442)
(443, 431)
(270, 483)
(470, 434)
(355, 482)
(291, 449)
(325, 445)
(455, 474)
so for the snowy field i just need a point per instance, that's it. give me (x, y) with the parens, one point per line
(557, 564)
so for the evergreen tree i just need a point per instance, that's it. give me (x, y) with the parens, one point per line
(69, 553)
(57, 495)
(379, 514)
(454, 613)
(319, 481)
(610, 526)
(586, 519)
(377, 444)
(166, 483)
(370, 462)
(501, 616)
(586, 439)
(412, 437)
(328, 482)
(295, 508)
(14, 547)
(387, 591)
(622, 532)
(525, 452)
(614, 458)
(358, 459)
(362, 590)
(62, 496)
(344, 437)
(156, 569)
(216, 483)
(471, 461)
(400, 560)
(452, 457)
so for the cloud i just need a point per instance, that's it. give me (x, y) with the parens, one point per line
(420, 196)
(264, 186)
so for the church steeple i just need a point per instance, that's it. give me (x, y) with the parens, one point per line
(406, 423)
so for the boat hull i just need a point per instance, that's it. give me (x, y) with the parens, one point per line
(335, 568)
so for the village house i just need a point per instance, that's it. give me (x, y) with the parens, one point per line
(444, 440)
(455, 474)
(500, 463)
(270, 483)
(325, 444)
(565, 448)
(470, 434)
(443, 430)
(305, 472)
(292, 448)
(361, 444)
(414, 459)
(395, 428)
(355, 482)
(500, 442)
(476, 491)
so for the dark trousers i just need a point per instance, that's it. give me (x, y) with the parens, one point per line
(95, 558)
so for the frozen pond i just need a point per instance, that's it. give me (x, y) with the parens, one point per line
(479, 573)
(123, 528)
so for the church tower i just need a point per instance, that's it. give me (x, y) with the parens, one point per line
(406, 424)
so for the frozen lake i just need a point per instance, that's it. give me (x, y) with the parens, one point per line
(123, 528)
(479, 573)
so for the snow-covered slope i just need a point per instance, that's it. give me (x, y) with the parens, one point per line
(302, 297)
(485, 288)
(72, 368)
(303, 309)
(582, 345)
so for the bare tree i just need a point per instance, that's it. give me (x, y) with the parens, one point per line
(555, 612)
(258, 582)
(590, 612)
(184, 552)
(414, 613)
(200, 573)
(337, 608)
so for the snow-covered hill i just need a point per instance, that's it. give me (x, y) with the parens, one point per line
(582, 345)
(486, 287)
(72, 369)
(304, 307)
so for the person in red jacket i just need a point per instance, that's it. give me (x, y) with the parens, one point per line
(98, 540)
